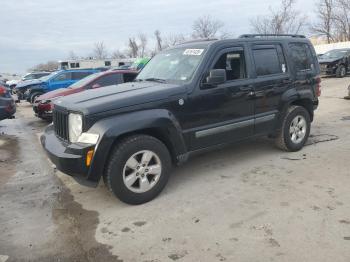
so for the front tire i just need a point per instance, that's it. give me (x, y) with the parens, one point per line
(295, 129)
(138, 170)
(33, 97)
(341, 71)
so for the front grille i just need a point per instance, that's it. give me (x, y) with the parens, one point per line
(60, 123)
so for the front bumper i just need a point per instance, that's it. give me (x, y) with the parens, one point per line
(68, 158)
(327, 70)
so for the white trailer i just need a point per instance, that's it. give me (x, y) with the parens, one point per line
(94, 63)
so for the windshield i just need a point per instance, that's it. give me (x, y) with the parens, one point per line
(334, 54)
(45, 78)
(85, 80)
(176, 65)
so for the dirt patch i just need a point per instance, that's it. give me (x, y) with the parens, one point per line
(315, 139)
(76, 229)
(8, 152)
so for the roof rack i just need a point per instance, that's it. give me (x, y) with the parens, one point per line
(270, 35)
(199, 40)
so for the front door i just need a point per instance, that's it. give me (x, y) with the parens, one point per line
(223, 113)
(62, 80)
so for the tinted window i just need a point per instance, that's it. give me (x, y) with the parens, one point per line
(267, 61)
(80, 75)
(129, 77)
(301, 56)
(110, 79)
(107, 63)
(234, 64)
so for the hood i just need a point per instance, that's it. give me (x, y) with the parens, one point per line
(328, 60)
(109, 98)
(29, 82)
(59, 92)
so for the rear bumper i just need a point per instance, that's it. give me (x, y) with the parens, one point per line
(68, 158)
(7, 108)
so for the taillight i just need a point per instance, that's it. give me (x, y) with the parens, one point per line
(3, 91)
(318, 86)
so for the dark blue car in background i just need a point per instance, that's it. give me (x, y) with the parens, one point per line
(30, 90)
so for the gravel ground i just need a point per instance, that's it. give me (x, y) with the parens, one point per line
(246, 202)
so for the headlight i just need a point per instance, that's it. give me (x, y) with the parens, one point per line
(75, 126)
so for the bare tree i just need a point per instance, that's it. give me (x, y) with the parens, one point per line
(342, 20)
(118, 54)
(284, 20)
(325, 14)
(48, 66)
(100, 50)
(133, 47)
(143, 44)
(72, 56)
(173, 39)
(159, 40)
(206, 27)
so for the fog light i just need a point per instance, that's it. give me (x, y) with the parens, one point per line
(89, 156)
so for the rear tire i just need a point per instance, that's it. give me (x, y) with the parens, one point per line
(138, 169)
(341, 71)
(295, 129)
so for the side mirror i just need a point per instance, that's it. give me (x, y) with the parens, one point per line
(216, 77)
(95, 86)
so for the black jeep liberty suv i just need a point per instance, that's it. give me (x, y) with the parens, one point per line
(189, 98)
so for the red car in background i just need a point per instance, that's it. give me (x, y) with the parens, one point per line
(43, 105)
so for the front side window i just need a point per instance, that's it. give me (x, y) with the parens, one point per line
(301, 56)
(234, 64)
(62, 77)
(267, 61)
(174, 65)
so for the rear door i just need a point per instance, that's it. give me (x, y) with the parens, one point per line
(272, 79)
(304, 66)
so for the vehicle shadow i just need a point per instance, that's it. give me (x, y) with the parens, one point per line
(223, 159)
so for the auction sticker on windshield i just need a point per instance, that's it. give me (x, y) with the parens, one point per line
(193, 51)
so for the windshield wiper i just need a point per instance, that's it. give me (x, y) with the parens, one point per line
(153, 79)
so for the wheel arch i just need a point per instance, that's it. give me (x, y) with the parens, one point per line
(160, 124)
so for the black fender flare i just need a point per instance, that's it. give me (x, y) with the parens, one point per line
(111, 129)
(292, 96)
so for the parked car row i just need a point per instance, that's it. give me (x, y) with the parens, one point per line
(188, 99)
(7, 103)
(43, 104)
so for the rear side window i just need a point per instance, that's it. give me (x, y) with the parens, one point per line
(267, 61)
(129, 77)
(80, 75)
(110, 79)
(301, 56)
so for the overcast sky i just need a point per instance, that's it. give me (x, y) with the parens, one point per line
(35, 31)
